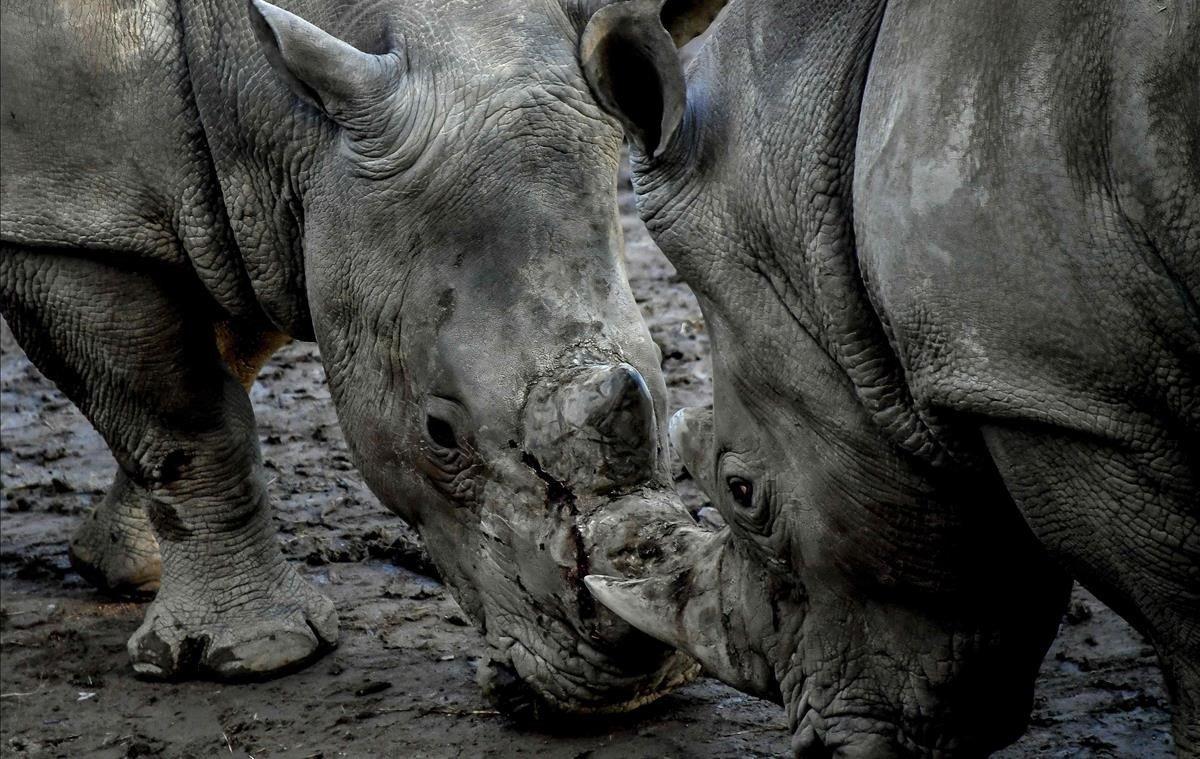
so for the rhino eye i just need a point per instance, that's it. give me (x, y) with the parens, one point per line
(742, 492)
(441, 432)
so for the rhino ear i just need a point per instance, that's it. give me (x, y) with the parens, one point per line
(327, 72)
(633, 68)
(687, 19)
(684, 20)
(628, 51)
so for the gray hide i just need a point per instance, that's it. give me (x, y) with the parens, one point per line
(425, 188)
(988, 370)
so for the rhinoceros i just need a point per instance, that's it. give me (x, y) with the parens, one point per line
(948, 255)
(425, 189)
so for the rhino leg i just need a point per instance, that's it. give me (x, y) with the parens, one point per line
(136, 351)
(1125, 521)
(114, 548)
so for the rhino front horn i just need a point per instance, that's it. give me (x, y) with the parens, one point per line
(714, 609)
(594, 427)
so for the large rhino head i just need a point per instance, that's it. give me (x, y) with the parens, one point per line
(881, 586)
(490, 368)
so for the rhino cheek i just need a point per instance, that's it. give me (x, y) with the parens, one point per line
(524, 549)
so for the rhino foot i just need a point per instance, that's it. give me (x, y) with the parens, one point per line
(115, 548)
(281, 626)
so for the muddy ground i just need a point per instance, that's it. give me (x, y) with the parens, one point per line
(402, 682)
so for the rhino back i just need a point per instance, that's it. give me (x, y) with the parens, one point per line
(1028, 208)
(101, 145)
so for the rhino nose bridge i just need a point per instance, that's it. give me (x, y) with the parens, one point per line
(594, 427)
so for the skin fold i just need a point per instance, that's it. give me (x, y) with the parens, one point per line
(427, 190)
(947, 257)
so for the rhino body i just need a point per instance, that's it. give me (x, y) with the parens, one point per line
(427, 190)
(948, 258)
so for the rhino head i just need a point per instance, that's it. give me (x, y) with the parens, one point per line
(880, 586)
(490, 367)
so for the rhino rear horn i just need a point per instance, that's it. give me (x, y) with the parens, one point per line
(691, 434)
(595, 427)
(332, 75)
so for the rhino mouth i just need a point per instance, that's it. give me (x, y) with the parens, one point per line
(529, 687)
(854, 735)
(551, 648)
(849, 719)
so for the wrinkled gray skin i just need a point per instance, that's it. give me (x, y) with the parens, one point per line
(992, 364)
(427, 189)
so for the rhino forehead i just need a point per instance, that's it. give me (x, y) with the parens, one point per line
(486, 36)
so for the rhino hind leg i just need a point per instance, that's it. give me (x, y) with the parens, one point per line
(136, 351)
(114, 548)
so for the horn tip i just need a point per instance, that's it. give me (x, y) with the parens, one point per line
(597, 584)
(614, 593)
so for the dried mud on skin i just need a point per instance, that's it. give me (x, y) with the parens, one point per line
(402, 682)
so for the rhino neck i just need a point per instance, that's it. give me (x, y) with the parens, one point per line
(804, 65)
(261, 147)
(831, 45)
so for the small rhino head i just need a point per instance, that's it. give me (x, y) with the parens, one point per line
(490, 367)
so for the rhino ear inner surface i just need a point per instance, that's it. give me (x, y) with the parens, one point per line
(687, 19)
(632, 66)
(318, 67)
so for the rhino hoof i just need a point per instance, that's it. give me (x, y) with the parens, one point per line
(258, 640)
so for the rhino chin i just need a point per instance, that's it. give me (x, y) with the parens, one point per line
(552, 648)
(529, 689)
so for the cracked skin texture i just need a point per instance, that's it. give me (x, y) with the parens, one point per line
(1044, 282)
(427, 190)
(948, 262)
(115, 547)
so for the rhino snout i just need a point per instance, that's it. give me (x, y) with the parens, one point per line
(594, 427)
